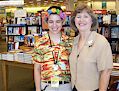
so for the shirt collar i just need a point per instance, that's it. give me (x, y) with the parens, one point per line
(90, 40)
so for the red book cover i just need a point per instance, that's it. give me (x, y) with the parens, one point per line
(20, 30)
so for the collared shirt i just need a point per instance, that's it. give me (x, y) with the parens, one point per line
(44, 54)
(94, 57)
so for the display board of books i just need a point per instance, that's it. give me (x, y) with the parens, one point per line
(17, 56)
(111, 32)
(109, 27)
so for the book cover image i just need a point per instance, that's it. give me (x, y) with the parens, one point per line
(114, 46)
(117, 19)
(32, 30)
(11, 39)
(107, 33)
(100, 19)
(118, 47)
(114, 58)
(44, 16)
(67, 18)
(113, 19)
(10, 31)
(117, 58)
(114, 32)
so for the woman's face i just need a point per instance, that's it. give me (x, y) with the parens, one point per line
(54, 23)
(83, 21)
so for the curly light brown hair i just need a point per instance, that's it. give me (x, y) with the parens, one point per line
(81, 7)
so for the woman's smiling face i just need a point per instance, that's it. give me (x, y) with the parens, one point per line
(83, 21)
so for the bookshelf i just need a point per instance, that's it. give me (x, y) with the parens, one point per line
(15, 35)
(21, 34)
(111, 32)
(114, 38)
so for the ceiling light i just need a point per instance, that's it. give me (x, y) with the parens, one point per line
(54, 0)
(31, 2)
(61, 1)
(45, 1)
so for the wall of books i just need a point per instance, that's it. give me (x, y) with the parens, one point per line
(109, 27)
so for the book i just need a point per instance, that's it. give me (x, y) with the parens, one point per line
(118, 46)
(10, 31)
(106, 32)
(117, 19)
(100, 19)
(44, 16)
(114, 58)
(32, 30)
(29, 40)
(114, 32)
(21, 20)
(11, 39)
(19, 38)
(113, 19)
(114, 46)
(117, 58)
(67, 18)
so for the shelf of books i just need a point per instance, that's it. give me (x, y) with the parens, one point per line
(21, 34)
(109, 27)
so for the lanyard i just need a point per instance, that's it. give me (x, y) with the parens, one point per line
(54, 54)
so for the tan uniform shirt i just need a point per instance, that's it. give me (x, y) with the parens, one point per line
(94, 57)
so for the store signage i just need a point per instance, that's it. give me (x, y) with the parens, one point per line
(11, 3)
(100, 11)
(20, 13)
(104, 4)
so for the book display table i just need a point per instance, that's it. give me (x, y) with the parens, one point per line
(5, 65)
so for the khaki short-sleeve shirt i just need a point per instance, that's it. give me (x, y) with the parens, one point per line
(94, 57)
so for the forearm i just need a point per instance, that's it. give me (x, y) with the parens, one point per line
(104, 79)
(37, 79)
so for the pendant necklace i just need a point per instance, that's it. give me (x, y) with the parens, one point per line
(83, 45)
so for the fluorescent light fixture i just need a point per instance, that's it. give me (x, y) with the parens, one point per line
(54, 0)
(45, 1)
(61, 1)
(12, 3)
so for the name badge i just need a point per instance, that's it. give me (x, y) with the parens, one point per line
(55, 67)
(55, 81)
(62, 65)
